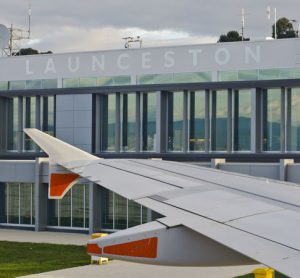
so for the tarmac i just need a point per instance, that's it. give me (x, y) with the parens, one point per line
(116, 269)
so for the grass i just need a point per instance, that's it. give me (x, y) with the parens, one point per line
(18, 259)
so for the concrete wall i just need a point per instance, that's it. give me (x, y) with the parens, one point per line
(74, 120)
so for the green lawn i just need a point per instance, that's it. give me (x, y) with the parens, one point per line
(17, 259)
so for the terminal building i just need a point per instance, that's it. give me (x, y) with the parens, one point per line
(235, 106)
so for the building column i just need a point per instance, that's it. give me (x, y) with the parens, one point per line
(20, 133)
(40, 196)
(95, 207)
(288, 129)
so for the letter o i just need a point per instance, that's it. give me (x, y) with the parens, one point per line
(222, 56)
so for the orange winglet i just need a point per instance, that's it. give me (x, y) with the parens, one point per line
(93, 249)
(145, 248)
(59, 182)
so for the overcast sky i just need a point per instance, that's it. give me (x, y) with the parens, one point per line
(77, 25)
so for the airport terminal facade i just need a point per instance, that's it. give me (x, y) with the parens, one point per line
(239, 102)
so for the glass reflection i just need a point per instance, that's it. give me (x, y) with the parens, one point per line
(128, 122)
(271, 119)
(148, 112)
(219, 120)
(295, 120)
(175, 121)
(242, 120)
(197, 121)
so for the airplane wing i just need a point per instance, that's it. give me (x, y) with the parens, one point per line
(211, 217)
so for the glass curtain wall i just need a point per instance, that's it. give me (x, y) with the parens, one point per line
(19, 204)
(12, 124)
(271, 118)
(219, 120)
(197, 121)
(72, 211)
(148, 118)
(175, 121)
(242, 120)
(119, 213)
(109, 123)
(29, 120)
(294, 119)
(47, 114)
(128, 122)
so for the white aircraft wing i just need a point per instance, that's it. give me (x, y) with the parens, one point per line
(211, 217)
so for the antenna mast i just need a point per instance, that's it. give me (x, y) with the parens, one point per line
(243, 23)
(17, 35)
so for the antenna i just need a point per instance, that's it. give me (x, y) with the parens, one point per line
(243, 23)
(29, 20)
(16, 35)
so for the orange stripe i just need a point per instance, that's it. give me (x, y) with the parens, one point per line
(93, 249)
(60, 182)
(145, 248)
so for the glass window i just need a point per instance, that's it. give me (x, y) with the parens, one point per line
(78, 203)
(12, 124)
(19, 203)
(109, 123)
(175, 121)
(156, 78)
(71, 83)
(72, 210)
(47, 114)
(242, 120)
(13, 203)
(228, 76)
(49, 83)
(271, 119)
(26, 204)
(148, 121)
(245, 75)
(88, 82)
(191, 77)
(219, 120)
(33, 84)
(65, 210)
(268, 74)
(122, 80)
(294, 144)
(3, 85)
(120, 211)
(108, 209)
(29, 118)
(197, 121)
(128, 122)
(105, 81)
(134, 214)
(17, 85)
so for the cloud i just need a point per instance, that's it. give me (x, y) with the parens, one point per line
(67, 25)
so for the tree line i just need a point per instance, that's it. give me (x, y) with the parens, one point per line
(284, 30)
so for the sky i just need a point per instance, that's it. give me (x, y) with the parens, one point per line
(77, 25)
